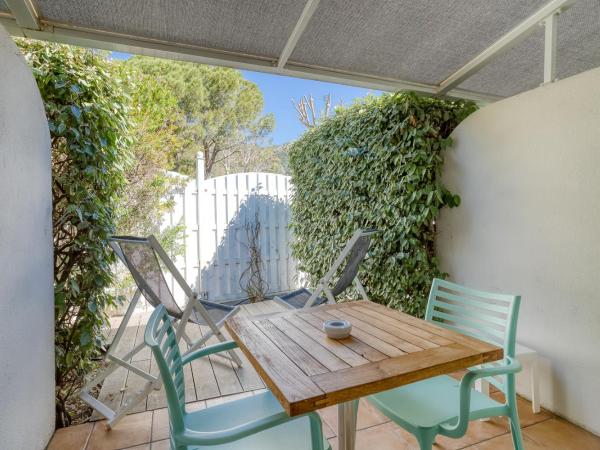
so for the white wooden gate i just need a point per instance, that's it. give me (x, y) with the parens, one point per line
(215, 212)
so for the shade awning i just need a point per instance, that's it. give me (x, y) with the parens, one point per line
(429, 46)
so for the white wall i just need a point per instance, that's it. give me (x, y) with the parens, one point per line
(528, 171)
(26, 294)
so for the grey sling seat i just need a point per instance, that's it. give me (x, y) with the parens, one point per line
(144, 258)
(140, 257)
(353, 254)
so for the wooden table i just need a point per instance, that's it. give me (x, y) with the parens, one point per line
(307, 371)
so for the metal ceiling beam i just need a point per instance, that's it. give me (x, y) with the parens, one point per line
(307, 12)
(505, 43)
(25, 13)
(85, 37)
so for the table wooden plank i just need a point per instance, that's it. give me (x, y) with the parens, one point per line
(394, 372)
(306, 370)
(366, 337)
(343, 352)
(383, 318)
(318, 351)
(292, 350)
(379, 332)
(292, 387)
(364, 350)
(400, 330)
(434, 329)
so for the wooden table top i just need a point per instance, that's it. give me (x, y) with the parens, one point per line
(307, 371)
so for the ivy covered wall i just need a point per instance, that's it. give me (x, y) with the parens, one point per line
(376, 164)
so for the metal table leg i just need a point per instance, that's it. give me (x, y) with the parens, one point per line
(347, 425)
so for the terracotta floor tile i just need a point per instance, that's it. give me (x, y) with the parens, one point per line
(160, 424)
(478, 431)
(368, 416)
(558, 434)
(526, 415)
(504, 442)
(71, 438)
(381, 437)
(133, 430)
(139, 447)
(160, 445)
(327, 430)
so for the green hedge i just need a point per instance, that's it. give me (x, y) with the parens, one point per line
(88, 117)
(376, 164)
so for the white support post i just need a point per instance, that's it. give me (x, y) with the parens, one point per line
(550, 42)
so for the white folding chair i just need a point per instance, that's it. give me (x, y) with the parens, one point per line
(143, 258)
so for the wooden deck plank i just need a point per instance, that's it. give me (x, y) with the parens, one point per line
(203, 375)
(206, 378)
(111, 393)
(135, 383)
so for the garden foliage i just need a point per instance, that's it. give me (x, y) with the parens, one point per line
(89, 126)
(376, 164)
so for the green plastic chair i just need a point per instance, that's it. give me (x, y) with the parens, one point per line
(257, 422)
(443, 405)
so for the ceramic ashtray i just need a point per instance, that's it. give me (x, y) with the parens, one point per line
(337, 329)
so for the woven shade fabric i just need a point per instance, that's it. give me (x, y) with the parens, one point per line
(421, 41)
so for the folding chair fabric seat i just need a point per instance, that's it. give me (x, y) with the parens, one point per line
(299, 297)
(353, 254)
(145, 258)
(141, 260)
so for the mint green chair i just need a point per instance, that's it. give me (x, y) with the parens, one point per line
(443, 405)
(252, 423)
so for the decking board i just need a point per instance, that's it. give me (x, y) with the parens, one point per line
(206, 378)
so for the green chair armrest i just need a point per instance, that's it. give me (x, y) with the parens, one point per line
(211, 349)
(511, 366)
(191, 437)
(457, 430)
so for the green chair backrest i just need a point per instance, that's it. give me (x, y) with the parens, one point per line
(483, 315)
(160, 337)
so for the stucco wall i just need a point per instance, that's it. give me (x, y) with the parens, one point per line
(26, 295)
(528, 171)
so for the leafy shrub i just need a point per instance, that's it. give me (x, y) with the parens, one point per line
(87, 116)
(376, 164)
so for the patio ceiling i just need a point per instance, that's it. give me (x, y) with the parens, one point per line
(483, 50)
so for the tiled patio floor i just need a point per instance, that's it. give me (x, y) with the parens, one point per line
(215, 381)
(149, 431)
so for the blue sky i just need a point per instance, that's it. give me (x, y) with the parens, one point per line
(278, 92)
